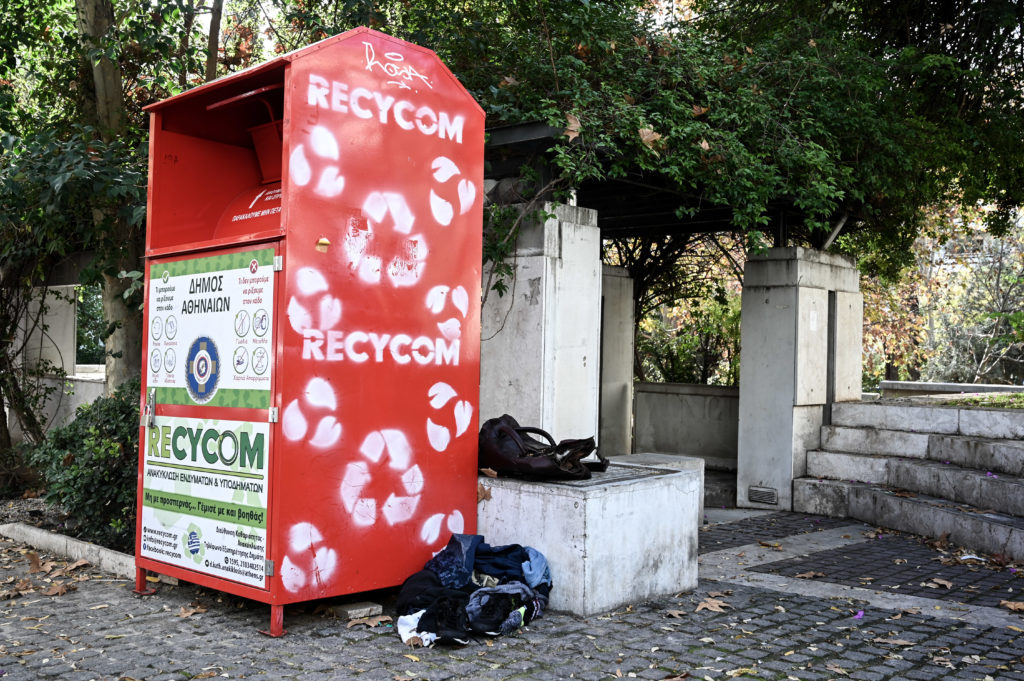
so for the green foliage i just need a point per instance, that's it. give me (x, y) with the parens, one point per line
(975, 327)
(698, 342)
(90, 325)
(89, 468)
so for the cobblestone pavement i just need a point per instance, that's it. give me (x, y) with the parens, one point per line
(97, 629)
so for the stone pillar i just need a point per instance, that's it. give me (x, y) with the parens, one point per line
(801, 336)
(540, 350)
(616, 361)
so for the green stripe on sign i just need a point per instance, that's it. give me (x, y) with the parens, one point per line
(214, 263)
(239, 514)
(226, 397)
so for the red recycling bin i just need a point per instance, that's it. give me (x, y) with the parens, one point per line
(312, 323)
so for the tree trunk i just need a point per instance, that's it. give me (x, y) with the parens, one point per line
(95, 17)
(124, 344)
(213, 44)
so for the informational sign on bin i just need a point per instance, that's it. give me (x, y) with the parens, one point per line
(204, 496)
(204, 491)
(210, 335)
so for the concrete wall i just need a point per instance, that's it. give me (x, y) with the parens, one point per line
(616, 361)
(801, 333)
(57, 344)
(540, 351)
(695, 420)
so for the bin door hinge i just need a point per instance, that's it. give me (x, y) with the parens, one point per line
(272, 416)
(269, 568)
(278, 263)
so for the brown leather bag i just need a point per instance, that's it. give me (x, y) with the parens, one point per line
(508, 449)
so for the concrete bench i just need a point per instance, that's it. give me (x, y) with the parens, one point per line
(624, 536)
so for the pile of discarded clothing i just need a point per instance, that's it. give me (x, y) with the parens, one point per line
(471, 588)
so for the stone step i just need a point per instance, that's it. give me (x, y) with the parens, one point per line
(866, 440)
(998, 456)
(888, 416)
(989, 532)
(925, 418)
(983, 489)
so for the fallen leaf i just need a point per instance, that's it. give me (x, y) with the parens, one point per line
(196, 609)
(699, 111)
(677, 677)
(33, 562)
(414, 642)
(489, 472)
(483, 493)
(712, 604)
(719, 594)
(399, 677)
(58, 590)
(1016, 606)
(809, 575)
(74, 566)
(1010, 626)
(412, 657)
(780, 608)
(937, 584)
(742, 671)
(649, 137)
(893, 641)
(704, 145)
(708, 640)
(205, 675)
(573, 131)
(675, 613)
(368, 621)
(833, 667)
(508, 80)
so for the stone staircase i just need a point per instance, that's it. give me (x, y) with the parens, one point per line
(924, 469)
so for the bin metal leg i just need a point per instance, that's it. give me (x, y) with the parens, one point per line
(142, 588)
(277, 629)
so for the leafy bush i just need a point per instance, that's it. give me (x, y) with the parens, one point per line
(698, 342)
(89, 468)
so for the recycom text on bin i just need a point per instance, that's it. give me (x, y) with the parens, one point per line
(366, 104)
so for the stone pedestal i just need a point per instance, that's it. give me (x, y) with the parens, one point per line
(624, 536)
(801, 336)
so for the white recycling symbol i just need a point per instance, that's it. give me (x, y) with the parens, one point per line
(431, 529)
(397, 508)
(440, 436)
(445, 171)
(315, 307)
(437, 300)
(309, 560)
(295, 420)
(401, 255)
(324, 148)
